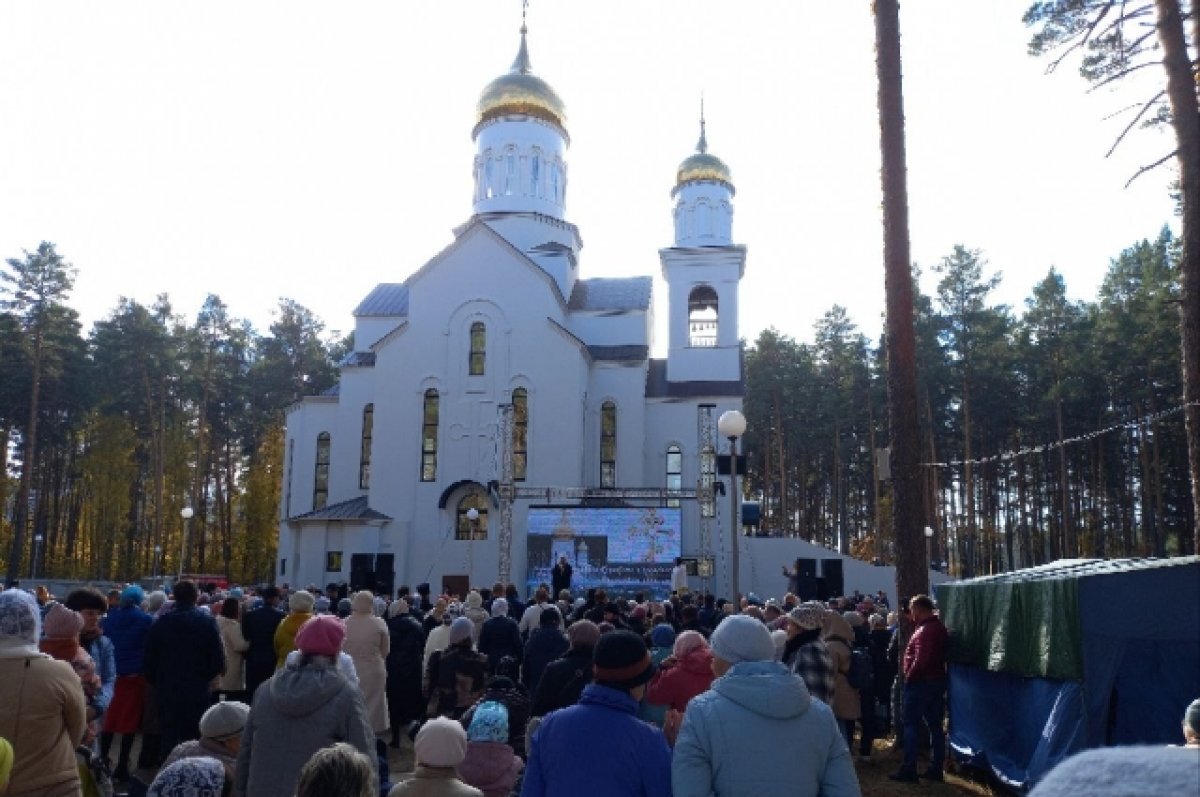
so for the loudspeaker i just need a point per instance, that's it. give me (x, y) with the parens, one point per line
(806, 588)
(806, 568)
(362, 571)
(831, 570)
(385, 573)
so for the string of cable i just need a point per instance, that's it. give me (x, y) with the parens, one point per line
(1040, 449)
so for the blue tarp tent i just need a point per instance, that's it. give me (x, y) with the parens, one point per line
(1075, 654)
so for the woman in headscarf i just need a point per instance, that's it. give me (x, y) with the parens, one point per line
(456, 675)
(684, 674)
(307, 705)
(404, 661)
(191, 777)
(45, 712)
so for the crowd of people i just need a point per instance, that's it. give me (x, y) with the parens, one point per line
(279, 693)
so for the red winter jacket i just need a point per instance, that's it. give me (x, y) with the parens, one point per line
(675, 686)
(925, 655)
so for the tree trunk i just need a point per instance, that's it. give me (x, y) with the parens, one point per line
(1185, 118)
(21, 516)
(912, 567)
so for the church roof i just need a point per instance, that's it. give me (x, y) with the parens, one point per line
(630, 353)
(387, 299)
(354, 509)
(657, 385)
(358, 359)
(333, 390)
(611, 293)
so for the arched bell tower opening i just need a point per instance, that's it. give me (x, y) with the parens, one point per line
(702, 317)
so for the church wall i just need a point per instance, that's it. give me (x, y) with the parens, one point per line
(625, 386)
(369, 329)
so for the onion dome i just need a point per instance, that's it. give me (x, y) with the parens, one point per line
(520, 92)
(703, 166)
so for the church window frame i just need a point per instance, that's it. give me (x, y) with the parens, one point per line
(510, 172)
(703, 328)
(321, 471)
(477, 356)
(608, 444)
(429, 435)
(464, 529)
(364, 460)
(674, 473)
(535, 173)
(520, 441)
(489, 186)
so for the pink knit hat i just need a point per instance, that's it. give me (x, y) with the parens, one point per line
(62, 623)
(321, 636)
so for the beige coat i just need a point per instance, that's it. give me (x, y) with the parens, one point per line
(367, 643)
(846, 705)
(43, 716)
(434, 782)
(234, 679)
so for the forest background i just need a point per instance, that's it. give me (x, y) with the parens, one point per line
(1048, 431)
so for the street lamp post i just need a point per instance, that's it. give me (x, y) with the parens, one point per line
(929, 547)
(157, 562)
(185, 513)
(473, 519)
(37, 555)
(732, 424)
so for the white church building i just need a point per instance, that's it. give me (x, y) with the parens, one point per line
(497, 377)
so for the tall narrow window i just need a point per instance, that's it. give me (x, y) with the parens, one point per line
(535, 172)
(478, 356)
(429, 437)
(464, 527)
(510, 173)
(608, 444)
(291, 474)
(321, 477)
(520, 441)
(702, 317)
(554, 182)
(489, 187)
(364, 461)
(674, 473)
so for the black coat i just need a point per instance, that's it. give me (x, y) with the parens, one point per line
(498, 638)
(563, 681)
(404, 660)
(560, 579)
(184, 653)
(544, 646)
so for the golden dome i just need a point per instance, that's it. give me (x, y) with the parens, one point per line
(520, 92)
(702, 166)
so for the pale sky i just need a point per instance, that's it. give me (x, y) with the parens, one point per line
(311, 150)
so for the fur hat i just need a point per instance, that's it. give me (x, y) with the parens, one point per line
(621, 660)
(321, 636)
(224, 719)
(489, 723)
(741, 638)
(806, 616)
(301, 602)
(363, 602)
(461, 629)
(62, 623)
(441, 742)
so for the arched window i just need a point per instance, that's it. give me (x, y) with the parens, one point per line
(535, 172)
(510, 173)
(429, 437)
(464, 527)
(489, 186)
(554, 182)
(702, 317)
(364, 460)
(608, 444)
(520, 442)
(674, 473)
(478, 357)
(321, 477)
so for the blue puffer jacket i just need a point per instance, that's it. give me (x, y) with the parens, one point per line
(633, 760)
(759, 706)
(127, 628)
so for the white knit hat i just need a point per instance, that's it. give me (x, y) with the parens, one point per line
(441, 742)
